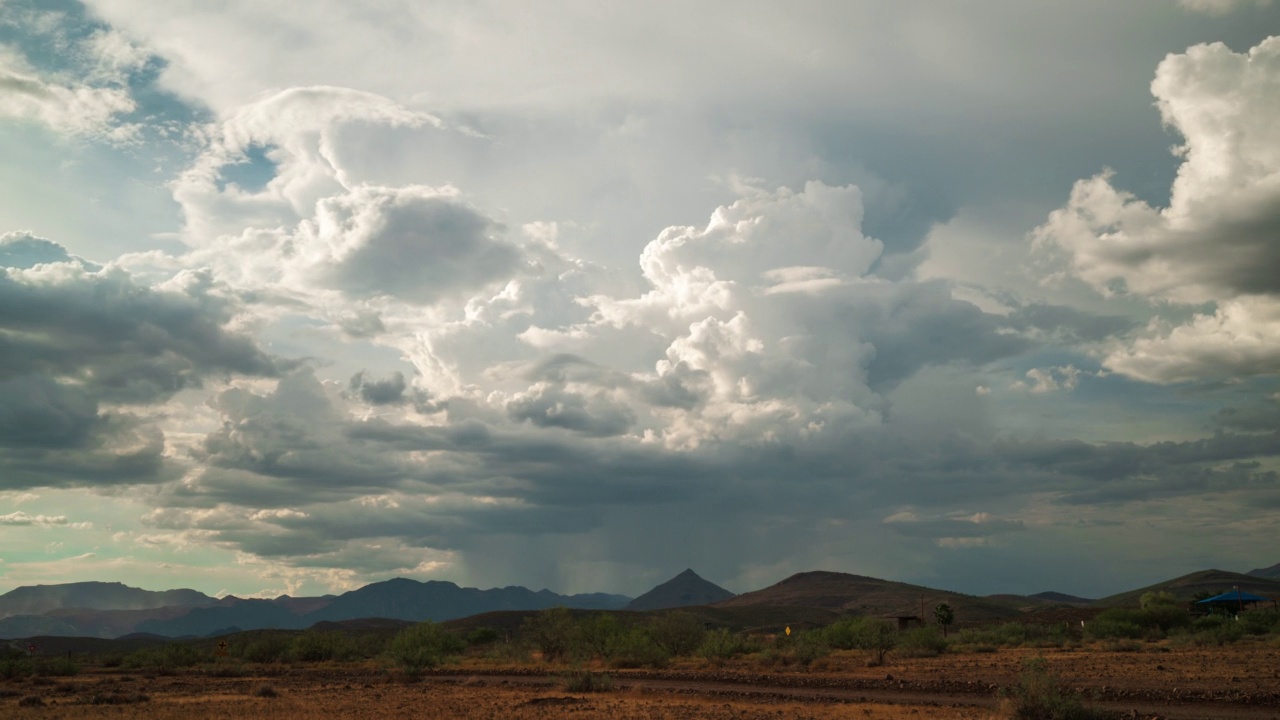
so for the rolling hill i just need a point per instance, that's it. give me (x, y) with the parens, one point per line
(1186, 587)
(683, 590)
(868, 596)
(1270, 573)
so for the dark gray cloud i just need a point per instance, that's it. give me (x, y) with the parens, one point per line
(548, 405)
(379, 392)
(75, 342)
(123, 341)
(410, 243)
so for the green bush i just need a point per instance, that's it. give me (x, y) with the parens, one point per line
(424, 646)
(807, 647)
(921, 642)
(721, 645)
(677, 633)
(482, 636)
(1212, 631)
(861, 633)
(266, 649)
(1039, 695)
(1116, 624)
(1260, 622)
(56, 667)
(551, 632)
(12, 668)
(319, 646)
(636, 648)
(163, 659)
(1012, 634)
(597, 636)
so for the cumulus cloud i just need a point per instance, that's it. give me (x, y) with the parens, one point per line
(21, 518)
(1215, 242)
(79, 110)
(82, 346)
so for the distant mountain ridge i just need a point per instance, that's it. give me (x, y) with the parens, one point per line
(438, 600)
(684, 590)
(398, 599)
(41, 599)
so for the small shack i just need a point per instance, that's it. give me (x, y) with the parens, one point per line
(1235, 601)
(905, 622)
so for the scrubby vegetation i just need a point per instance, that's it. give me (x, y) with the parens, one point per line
(1039, 695)
(424, 646)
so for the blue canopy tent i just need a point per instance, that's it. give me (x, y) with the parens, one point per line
(1233, 600)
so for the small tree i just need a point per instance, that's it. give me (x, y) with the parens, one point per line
(677, 633)
(424, 646)
(551, 631)
(945, 616)
(599, 635)
(875, 636)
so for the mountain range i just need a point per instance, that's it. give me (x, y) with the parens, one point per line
(110, 610)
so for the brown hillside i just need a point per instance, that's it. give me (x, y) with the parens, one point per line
(1185, 588)
(868, 596)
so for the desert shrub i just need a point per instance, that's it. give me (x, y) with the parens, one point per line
(319, 646)
(1260, 622)
(1116, 624)
(266, 649)
(424, 646)
(16, 667)
(31, 701)
(482, 636)
(1012, 634)
(1212, 631)
(842, 634)
(677, 633)
(550, 632)
(635, 648)
(56, 667)
(807, 647)
(921, 642)
(265, 691)
(720, 645)
(587, 681)
(861, 633)
(1039, 695)
(111, 661)
(163, 659)
(597, 636)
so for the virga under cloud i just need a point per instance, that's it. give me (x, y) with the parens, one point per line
(744, 301)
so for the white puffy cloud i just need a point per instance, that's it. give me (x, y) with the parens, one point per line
(21, 518)
(1215, 241)
(79, 110)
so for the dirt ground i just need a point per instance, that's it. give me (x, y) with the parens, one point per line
(1157, 681)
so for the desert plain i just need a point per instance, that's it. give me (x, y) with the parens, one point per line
(1154, 681)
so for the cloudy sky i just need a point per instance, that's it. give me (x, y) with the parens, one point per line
(296, 296)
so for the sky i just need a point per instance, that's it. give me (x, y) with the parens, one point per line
(298, 296)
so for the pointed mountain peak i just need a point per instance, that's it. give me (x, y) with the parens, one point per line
(683, 590)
